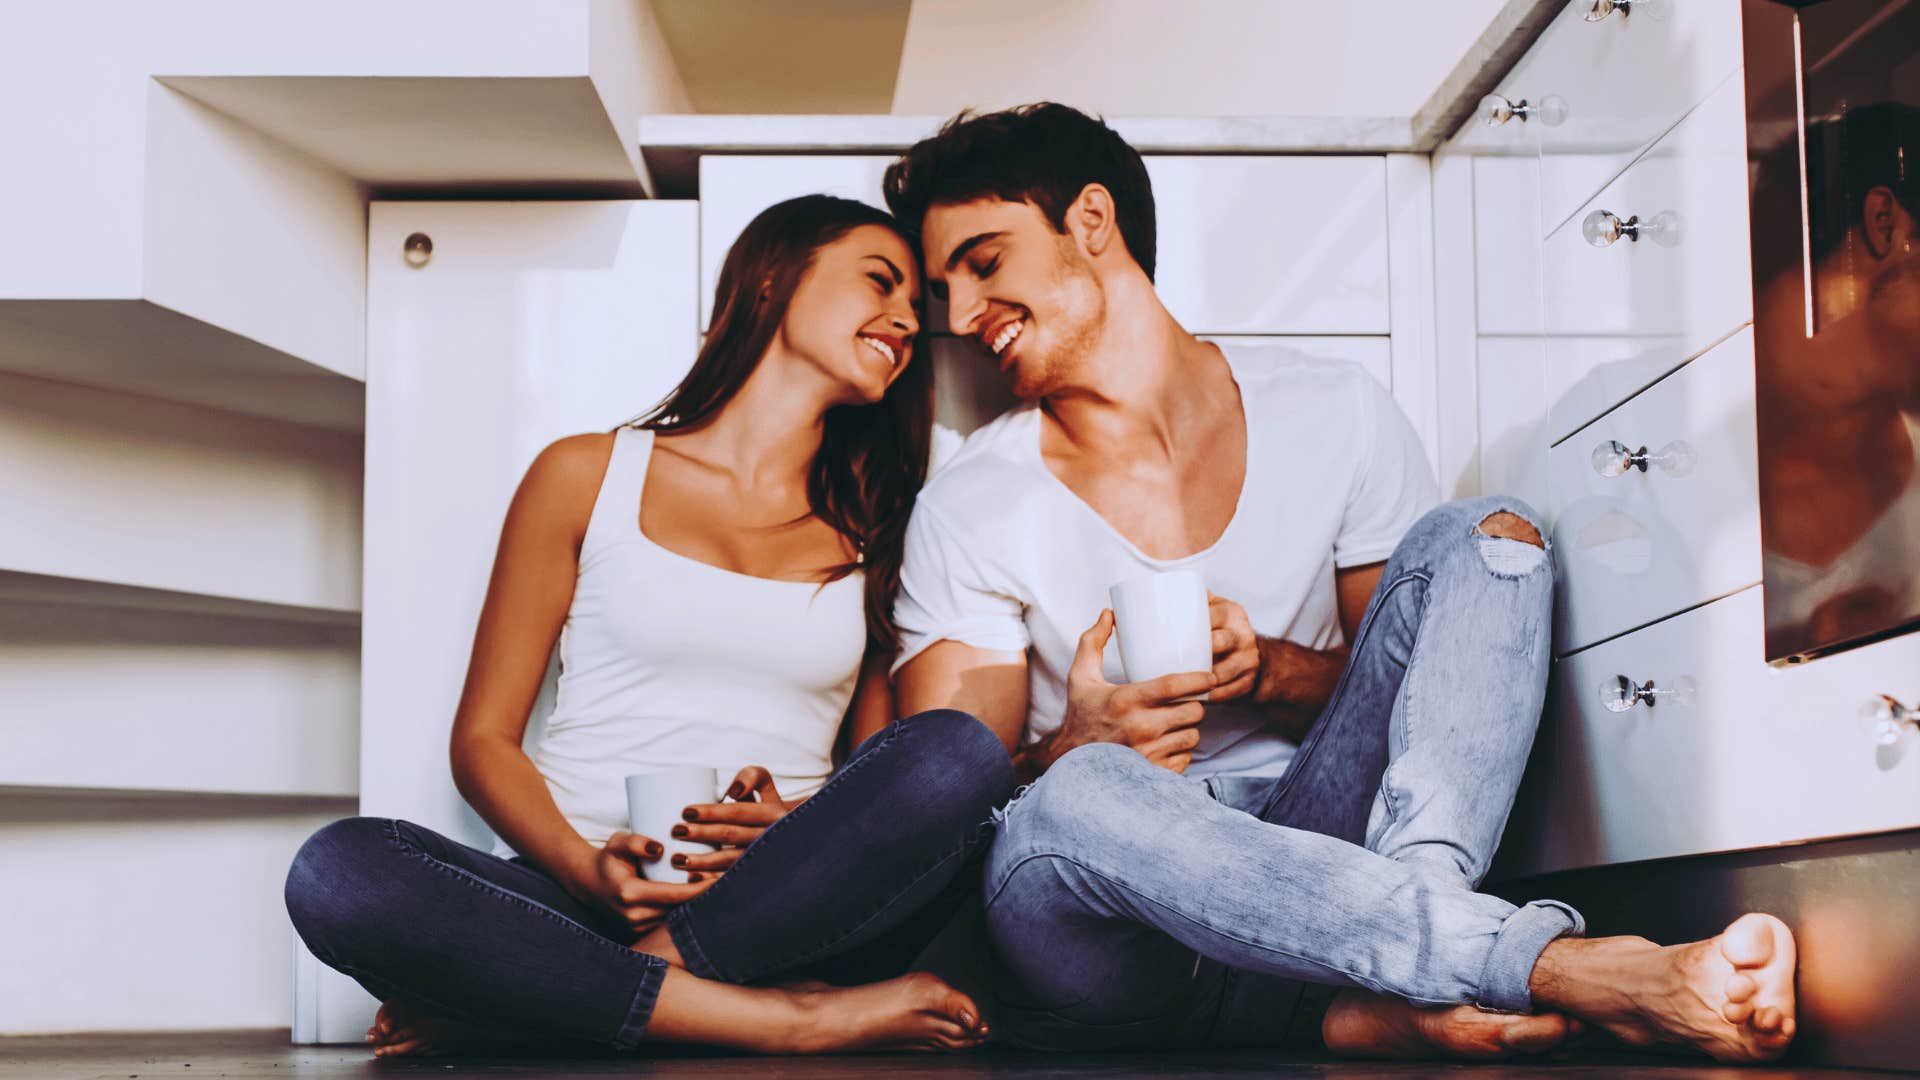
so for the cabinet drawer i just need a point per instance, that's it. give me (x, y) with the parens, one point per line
(1616, 84)
(1677, 530)
(1679, 284)
(1737, 755)
(1247, 245)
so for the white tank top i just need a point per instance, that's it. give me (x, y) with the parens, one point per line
(667, 660)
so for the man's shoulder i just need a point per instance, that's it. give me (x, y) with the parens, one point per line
(993, 460)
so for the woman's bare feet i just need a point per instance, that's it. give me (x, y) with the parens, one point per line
(1730, 996)
(1361, 1024)
(913, 1012)
(401, 1030)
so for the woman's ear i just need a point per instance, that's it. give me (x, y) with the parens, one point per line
(1877, 212)
(1090, 220)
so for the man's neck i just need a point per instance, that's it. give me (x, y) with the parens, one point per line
(1147, 384)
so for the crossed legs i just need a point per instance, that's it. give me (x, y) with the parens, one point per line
(1114, 885)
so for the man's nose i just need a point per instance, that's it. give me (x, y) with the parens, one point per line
(963, 311)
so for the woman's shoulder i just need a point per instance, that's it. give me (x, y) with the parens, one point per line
(564, 479)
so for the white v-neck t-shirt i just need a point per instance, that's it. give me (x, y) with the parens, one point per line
(1002, 555)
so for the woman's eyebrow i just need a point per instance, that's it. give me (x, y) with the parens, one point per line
(898, 277)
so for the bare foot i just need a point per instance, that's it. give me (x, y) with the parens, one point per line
(1360, 1024)
(1730, 996)
(399, 1030)
(913, 1012)
(404, 1030)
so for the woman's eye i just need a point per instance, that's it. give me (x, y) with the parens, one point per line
(881, 280)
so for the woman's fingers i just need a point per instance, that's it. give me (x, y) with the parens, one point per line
(659, 894)
(738, 835)
(634, 846)
(735, 813)
(748, 779)
(708, 860)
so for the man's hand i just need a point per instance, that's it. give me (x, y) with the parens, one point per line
(610, 875)
(1153, 717)
(731, 825)
(1236, 651)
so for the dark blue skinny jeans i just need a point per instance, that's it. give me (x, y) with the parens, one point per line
(846, 887)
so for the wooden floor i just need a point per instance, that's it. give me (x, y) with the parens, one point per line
(267, 1055)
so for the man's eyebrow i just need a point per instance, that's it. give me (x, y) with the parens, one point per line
(898, 277)
(968, 245)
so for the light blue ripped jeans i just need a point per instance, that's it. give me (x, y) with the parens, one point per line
(1131, 905)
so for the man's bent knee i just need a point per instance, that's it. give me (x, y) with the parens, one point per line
(1511, 526)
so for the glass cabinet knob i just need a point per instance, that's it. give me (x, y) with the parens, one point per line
(1614, 458)
(1620, 693)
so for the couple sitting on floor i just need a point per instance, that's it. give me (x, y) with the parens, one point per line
(753, 571)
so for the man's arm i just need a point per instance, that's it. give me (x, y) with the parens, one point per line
(1296, 682)
(991, 684)
(1155, 717)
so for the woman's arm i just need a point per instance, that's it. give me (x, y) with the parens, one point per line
(527, 601)
(872, 706)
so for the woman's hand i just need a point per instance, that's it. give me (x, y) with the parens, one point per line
(611, 876)
(732, 825)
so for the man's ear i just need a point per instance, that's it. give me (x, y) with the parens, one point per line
(1090, 220)
(1877, 220)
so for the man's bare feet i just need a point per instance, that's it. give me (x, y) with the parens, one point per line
(1730, 996)
(1360, 1024)
(913, 1012)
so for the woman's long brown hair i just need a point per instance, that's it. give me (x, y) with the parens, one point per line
(873, 458)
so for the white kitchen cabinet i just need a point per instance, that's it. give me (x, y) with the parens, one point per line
(1663, 532)
(1711, 749)
(1616, 83)
(530, 321)
(1247, 245)
(1675, 283)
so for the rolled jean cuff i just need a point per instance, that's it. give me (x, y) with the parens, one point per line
(634, 1027)
(1525, 934)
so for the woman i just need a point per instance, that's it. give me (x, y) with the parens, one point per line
(724, 571)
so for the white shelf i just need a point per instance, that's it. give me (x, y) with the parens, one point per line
(26, 587)
(140, 347)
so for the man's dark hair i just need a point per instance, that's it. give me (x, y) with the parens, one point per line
(1045, 154)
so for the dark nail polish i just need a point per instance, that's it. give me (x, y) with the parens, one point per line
(654, 850)
(690, 814)
(679, 861)
(736, 790)
(679, 832)
(694, 878)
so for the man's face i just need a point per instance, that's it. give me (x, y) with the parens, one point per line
(1024, 291)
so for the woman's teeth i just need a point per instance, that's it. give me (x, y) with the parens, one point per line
(884, 349)
(1006, 335)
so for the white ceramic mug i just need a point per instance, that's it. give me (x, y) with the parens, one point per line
(656, 800)
(1164, 625)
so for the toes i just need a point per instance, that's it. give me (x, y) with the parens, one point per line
(1748, 942)
(1741, 986)
(1736, 1012)
(1768, 1019)
(1535, 1034)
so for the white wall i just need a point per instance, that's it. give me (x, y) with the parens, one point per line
(1184, 57)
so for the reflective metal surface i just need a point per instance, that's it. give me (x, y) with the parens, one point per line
(1833, 103)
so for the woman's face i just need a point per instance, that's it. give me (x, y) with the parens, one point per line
(853, 315)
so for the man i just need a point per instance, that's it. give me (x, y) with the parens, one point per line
(1181, 871)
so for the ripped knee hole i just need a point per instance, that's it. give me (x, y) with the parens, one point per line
(1511, 526)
